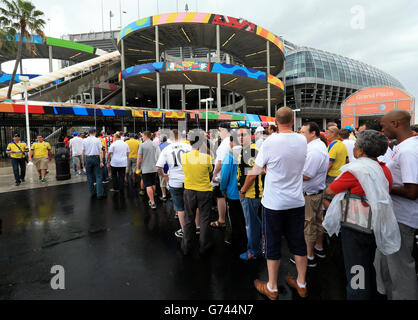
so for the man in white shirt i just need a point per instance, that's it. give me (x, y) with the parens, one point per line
(93, 158)
(345, 135)
(314, 185)
(221, 152)
(259, 137)
(76, 151)
(171, 156)
(283, 155)
(396, 275)
(118, 159)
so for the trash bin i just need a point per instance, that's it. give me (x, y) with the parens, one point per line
(62, 162)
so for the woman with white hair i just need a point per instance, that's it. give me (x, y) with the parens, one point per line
(363, 209)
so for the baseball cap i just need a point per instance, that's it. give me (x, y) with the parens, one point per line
(349, 128)
(75, 133)
(259, 129)
(16, 135)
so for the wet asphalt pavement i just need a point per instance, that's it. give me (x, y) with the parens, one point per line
(119, 248)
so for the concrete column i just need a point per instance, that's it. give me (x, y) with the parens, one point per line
(51, 67)
(167, 97)
(218, 53)
(21, 66)
(324, 124)
(268, 84)
(183, 97)
(101, 94)
(233, 101)
(93, 96)
(157, 59)
(123, 66)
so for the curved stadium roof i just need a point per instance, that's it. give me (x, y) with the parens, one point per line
(312, 63)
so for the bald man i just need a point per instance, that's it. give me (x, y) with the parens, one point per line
(338, 157)
(283, 155)
(396, 275)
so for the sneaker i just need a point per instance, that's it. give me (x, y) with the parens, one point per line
(163, 198)
(291, 282)
(142, 193)
(311, 263)
(17, 184)
(43, 180)
(228, 241)
(197, 230)
(176, 216)
(154, 206)
(248, 256)
(261, 287)
(320, 253)
(179, 234)
(105, 182)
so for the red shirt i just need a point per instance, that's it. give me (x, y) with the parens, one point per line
(349, 182)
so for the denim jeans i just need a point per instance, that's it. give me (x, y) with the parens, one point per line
(253, 224)
(16, 163)
(105, 171)
(94, 174)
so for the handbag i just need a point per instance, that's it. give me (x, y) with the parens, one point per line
(26, 156)
(356, 213)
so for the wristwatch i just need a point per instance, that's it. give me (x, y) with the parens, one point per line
(243, 193)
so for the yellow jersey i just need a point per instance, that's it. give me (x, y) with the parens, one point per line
(40, 150)
(197, 166)
(133, 148)
(20, 152)
(338, 153)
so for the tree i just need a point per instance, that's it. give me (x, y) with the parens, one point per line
(19, 16)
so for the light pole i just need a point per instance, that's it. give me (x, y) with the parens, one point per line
(25, 81)
(294, 112)
(207, 111)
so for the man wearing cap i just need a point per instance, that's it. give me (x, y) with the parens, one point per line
(17, 151)
(41, 153)
(76, 151)
(93, 158)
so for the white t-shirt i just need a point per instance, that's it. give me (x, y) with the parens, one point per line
(171, 155)
(221, 152)
(387, 157)
(119, 150)
(76, 145)
(284, 155)
(404, 168)
(350, 148)
(316, 167)
(92, 146)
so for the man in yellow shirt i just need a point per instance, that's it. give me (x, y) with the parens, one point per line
(132, 159)
(338, 157)
(41, 153)
(197, 167)
(17, 151)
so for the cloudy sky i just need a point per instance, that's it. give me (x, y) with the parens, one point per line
(381, 33)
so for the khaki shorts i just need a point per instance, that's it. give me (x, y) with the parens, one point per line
(131, 168)
(314, 216)
(41, 163)
(77, 160)
(163, 182)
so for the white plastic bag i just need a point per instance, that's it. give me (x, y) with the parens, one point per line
(375, 185)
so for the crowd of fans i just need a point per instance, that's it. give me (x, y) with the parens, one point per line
(304, 186)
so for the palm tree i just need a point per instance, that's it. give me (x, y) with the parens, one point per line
(19, 16)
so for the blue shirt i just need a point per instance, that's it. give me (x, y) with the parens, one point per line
(162, 147)
(229, 183)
